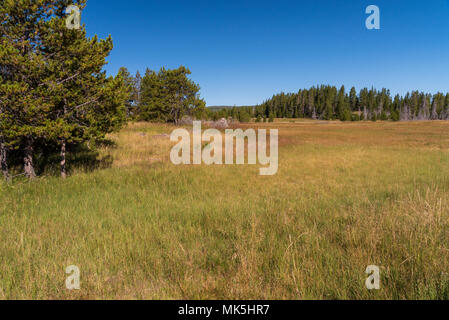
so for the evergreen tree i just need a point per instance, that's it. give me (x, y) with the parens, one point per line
(151, 97)
(137, 83)
(129, 86)
(23, 103)
(343, 106)
(56, 89)
(244, 116)
(353, 103)
(169, 95)
(85, 103)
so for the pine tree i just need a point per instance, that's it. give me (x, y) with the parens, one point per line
(343, 106)
(414, 106)
(85, 103)
(353, 99)
(244, 116)
(23, 60)
(136, 92)
(328, 113)
(169, 95)
(151, 97)
(129, 86)
(59, 92)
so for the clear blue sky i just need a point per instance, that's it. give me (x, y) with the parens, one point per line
(241, 52)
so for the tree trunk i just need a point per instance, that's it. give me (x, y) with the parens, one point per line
(314, 116)
(434, 115)
(28, 159)
(3, 161)
(63, 160)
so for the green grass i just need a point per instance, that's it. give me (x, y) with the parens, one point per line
(346, 196)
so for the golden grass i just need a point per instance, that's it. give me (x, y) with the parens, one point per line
(347, 195)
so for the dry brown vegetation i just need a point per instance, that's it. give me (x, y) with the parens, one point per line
(347, 195)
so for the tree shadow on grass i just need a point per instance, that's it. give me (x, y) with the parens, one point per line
(89, 161)
(80, 158)
(106, 143)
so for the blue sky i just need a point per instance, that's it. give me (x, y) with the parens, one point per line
(241, 52)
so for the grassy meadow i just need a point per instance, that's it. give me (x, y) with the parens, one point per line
(347, 195)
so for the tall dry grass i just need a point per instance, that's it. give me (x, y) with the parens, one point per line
(346, 196)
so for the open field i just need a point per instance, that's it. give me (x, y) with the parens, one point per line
(346, 196)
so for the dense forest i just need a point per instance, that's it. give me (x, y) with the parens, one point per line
(330, 103)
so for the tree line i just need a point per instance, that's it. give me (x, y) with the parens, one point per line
(329, 103)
